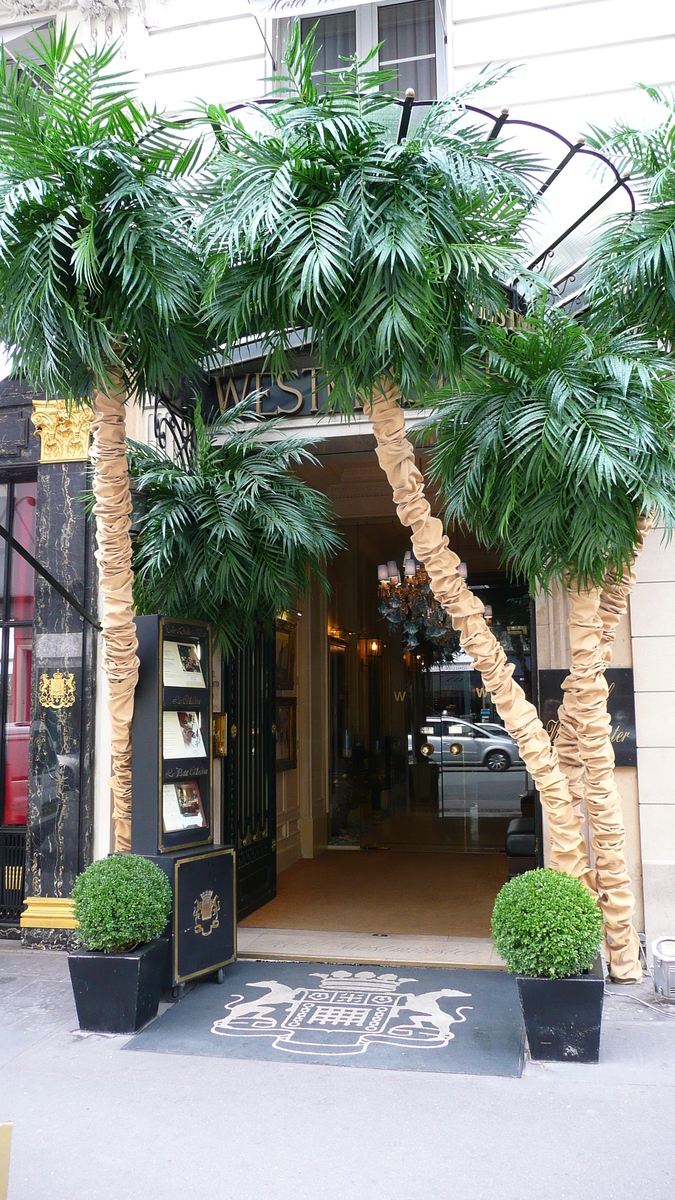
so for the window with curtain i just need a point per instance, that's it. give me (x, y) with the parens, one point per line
(334, 38)
(409, 35)
(17, 581)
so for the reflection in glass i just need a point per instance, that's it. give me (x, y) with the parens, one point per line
(409, 37)
(17, 724)
(419, 758)
(335, 40)
(3, 543)
(23, 530)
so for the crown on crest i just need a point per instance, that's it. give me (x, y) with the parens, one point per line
(361, 981)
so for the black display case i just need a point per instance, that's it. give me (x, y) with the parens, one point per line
(172, 795)
(172, 761)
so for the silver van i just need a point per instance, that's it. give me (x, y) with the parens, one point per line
(460, 743)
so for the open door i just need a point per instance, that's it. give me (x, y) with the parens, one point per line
(250, 817)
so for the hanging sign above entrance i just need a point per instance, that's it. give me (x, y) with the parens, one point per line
(298, 8)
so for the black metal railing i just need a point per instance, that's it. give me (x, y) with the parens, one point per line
(12, 873)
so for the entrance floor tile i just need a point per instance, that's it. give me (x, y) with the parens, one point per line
(317, 945)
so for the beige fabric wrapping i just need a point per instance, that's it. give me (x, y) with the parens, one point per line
(615, 594)
(612, 606)
(113, 519)
(585, 712)
(397, 459)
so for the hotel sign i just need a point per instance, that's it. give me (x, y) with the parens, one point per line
(298, 8)
(301, 393)
(620, 703)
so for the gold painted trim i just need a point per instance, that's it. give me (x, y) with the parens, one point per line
(216, 966)
(64, 436)
(5, 1153)
(48, 912)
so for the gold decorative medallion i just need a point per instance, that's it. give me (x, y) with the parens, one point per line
(64, 436)
(57, 692)
(205, 912)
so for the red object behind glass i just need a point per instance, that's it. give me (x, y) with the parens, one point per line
(17, 727)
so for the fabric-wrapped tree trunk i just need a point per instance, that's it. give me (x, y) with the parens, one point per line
(605, 817)
(113, 520)
(430, 544)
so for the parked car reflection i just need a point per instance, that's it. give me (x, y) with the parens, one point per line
(460, 744)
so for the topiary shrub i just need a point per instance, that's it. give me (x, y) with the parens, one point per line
(546, 923)
(120, 903)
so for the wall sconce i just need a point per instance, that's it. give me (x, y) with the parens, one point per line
(373, 647)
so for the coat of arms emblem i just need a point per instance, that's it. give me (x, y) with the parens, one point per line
(205, 912)
(345, 1014)
(57, 691)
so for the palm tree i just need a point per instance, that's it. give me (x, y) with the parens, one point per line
(99, 285)
(556, 444)
(231, 537)
(320, 222)
(632, 261)
(634, 256)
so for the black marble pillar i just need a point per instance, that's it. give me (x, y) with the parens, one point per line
(60, 771)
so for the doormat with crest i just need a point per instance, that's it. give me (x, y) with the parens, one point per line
(403, 1018)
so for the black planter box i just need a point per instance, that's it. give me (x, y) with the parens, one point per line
(562, 1016)
(117, 993)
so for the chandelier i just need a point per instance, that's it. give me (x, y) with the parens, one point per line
(409, 604)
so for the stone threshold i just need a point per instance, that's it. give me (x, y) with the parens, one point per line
(414, 950)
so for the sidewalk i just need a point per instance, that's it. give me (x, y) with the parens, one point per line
(91, 1122)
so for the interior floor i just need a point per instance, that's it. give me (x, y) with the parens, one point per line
(387, 892)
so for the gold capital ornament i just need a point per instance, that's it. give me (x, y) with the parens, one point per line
(64, 435)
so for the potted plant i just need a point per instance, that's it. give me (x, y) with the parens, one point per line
(122, 904)
(548, 928)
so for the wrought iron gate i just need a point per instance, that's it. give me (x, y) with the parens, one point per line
(250, 811)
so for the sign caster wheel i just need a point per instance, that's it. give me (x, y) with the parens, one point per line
(218, 977)
(178, 992)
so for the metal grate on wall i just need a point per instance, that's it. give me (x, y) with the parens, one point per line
(12, 871)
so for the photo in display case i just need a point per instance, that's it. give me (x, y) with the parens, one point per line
(182, 735)
(182, 806)
(181, 665)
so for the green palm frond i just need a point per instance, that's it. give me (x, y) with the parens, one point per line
(98, 268)
(634, 256)
(554, 441)
(232, 538)
(314, 219)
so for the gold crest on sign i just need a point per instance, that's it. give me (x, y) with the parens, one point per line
(205, 911)
(57, 691)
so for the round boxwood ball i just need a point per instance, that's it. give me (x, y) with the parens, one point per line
(546, 923)
(121, 902)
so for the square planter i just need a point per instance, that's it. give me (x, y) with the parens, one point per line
(562, 1016)
(117, 993)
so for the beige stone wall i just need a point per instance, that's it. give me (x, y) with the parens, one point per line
(553, 653)
(653, 638)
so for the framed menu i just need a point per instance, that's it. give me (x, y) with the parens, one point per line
(182, 806)
(181, 665)
(182, 735)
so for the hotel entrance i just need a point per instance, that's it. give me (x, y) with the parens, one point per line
(419, 759)
(397, 780)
